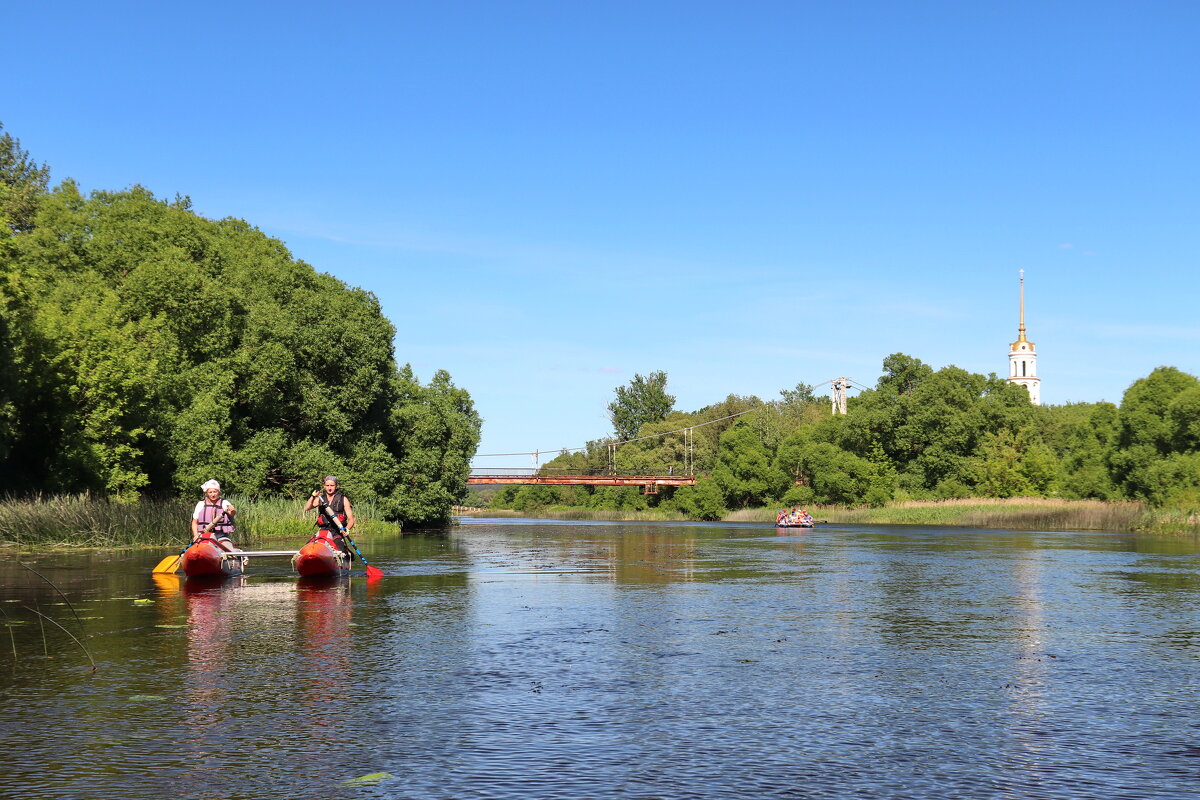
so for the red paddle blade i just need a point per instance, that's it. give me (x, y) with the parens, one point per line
(374, 573)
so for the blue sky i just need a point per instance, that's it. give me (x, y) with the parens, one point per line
(549, 197)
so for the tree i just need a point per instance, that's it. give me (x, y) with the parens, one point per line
(151, 349)
(1174, 481)
(1145, 416)
(836, 476)
(437, 432)
(645, 400)
(744, 472)
(1183, 416)
(1009, 465)
(902, 374)
(628, 498)
(1084, 435)
(801, 395)
(930, 424)
(528, 498)
(22, 183)
(1156, 424)
(702, 501)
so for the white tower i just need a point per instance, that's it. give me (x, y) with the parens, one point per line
(1022, 358)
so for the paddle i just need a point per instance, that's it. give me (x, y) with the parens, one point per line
(170, 564)
(372, 572)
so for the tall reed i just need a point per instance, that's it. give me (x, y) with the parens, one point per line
(91, 521)
(275, 518)
(1020, 513)
(84, 520)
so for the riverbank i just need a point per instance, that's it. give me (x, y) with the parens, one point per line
(1019, 513)
(89, 521)
(571, 513)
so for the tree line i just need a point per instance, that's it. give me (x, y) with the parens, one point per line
(920, 434)
(147, 348)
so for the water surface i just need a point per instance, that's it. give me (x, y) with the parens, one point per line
(524, 658)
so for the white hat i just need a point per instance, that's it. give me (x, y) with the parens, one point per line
(210, 485)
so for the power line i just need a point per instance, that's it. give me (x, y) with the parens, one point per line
(849, 382)
(620, 442)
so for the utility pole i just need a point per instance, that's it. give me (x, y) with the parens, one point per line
(837, 393)
(689, 451)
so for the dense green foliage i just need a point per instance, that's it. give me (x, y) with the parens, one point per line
(920, 434)
(149, 349)
(645, 400)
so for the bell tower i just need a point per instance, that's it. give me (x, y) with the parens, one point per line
(1022, 358)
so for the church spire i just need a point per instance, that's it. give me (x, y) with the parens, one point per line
(1021, 328)
(1021, 338)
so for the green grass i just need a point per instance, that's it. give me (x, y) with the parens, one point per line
(1022, 513)
(90, 521)
(1019, 513)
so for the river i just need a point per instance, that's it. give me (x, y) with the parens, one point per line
(541, 659)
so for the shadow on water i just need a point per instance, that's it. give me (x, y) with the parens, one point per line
(551, 659)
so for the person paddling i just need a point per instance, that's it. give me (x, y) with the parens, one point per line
(333, 499)
(214, 507)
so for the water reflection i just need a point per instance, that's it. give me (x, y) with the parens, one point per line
(211, 607)
(325, 610)
(559, 660)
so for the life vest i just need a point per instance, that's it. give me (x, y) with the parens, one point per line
(336, 504)
(211, 511)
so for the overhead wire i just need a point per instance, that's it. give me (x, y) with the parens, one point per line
(621, 441)
(850, 382)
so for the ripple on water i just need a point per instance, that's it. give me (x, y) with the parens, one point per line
(613, 661)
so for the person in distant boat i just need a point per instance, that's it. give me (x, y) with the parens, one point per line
(214, 507)
(335, 500)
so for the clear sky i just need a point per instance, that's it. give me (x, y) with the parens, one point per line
(549, 197)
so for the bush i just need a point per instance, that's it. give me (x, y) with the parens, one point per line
(798, 496)
(877, 496)
(951, 489)
(702, 501)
